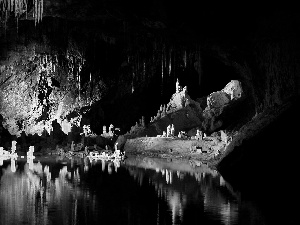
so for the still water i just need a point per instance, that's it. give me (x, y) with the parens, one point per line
(138, 190)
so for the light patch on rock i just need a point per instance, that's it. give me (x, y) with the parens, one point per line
(233, 89)
(217, 99)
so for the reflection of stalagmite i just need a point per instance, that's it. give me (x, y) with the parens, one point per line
(47, 173)
(175, 205)
(86, 164)
(72, 162)
(109, 169)
(167, 176)
(13, 165)
(30, 163)
(63, 172)
(38, 168)
(222, 181)
(77, 176)
(103, 165)
(171, 177)
(26, 198)
(116, 164)
(228, 213)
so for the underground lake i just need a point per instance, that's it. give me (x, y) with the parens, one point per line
(137, 190)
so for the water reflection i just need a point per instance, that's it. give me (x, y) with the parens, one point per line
(30, 195)
(137, 191)
(194, 187)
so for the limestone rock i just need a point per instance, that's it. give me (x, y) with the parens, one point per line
(218, 99)
(180, 100)
(233, 89)
(120, 143)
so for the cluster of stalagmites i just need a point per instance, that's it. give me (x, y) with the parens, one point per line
(187, 114)
(12, 153)
(183, 118)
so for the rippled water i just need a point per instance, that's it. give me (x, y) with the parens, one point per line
(139, 190)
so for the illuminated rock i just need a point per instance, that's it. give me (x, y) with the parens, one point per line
(233, 89)
(30, 152)
(13, 147)
(217, 99)
(111, 130)
(172, 131)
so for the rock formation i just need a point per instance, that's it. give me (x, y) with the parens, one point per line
(184, 114)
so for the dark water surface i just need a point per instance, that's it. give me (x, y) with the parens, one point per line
(50, 190)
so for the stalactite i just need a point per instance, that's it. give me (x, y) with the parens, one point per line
(39, 11)
(25, 1)
(184, 59)
(162, 74)
(8, 6)
(144, 71)
(35, 12)
(38, 6)
(165, 59)
(79, 86)
(162, 66)
(42, 9)
(170, 61)
(174, 66)
(132, 83)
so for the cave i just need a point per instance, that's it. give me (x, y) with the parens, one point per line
(71, 66)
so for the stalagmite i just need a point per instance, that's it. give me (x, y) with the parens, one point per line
(167, 176)
(13, 165)
(132, 86)
(162, 74)
(35, 11)
(170, 63)
(171, 177)
(184, 59)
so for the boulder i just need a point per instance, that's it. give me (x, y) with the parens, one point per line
(179, 100)
(233, 89)
(121, 141)
(218, 99)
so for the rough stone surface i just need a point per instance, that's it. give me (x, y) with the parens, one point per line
(233, 89)
(180, 100)
(217, 99)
